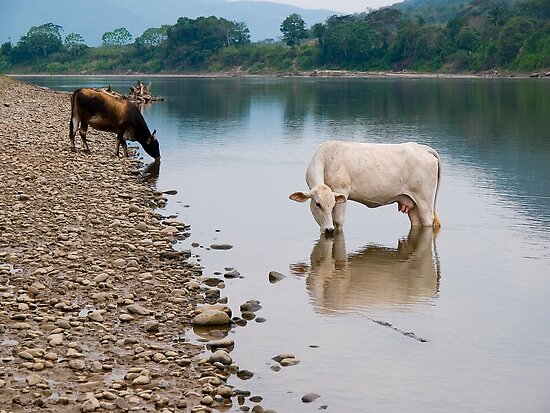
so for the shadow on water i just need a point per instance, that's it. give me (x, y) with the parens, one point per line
(373, 276)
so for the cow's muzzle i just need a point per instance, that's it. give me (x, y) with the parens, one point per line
(329, 231)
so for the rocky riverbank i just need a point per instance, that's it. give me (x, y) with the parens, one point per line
(94, 300)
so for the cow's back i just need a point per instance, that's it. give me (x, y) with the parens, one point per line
(100, 109)
(371, 171)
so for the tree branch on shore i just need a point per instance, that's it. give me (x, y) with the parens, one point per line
(138, 94)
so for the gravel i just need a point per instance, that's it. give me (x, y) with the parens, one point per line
(92, 303)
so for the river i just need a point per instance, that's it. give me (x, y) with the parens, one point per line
(380, 319)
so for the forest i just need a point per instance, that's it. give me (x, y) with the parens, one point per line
(454, 37)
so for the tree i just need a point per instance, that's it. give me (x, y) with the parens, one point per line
(238, 34)
(407, 47)
(74, 43)
(293, 29)
(192, 42)
(468, 39)
(6, 49)
(152, 37)
(118, 37)
(497, 16)
(318, 30)
(512, 38)
(5, 56)
(40, 41)
(350, 43)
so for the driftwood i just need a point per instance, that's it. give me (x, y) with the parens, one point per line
(138, 94)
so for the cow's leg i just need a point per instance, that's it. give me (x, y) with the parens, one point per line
(117, 146)
(425, 213)
(73, 126)
(415, 217)
(82, 131)
(122, 142)
(339, 215)
(437, 222)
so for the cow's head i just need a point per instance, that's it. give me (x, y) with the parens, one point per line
(151, 146)
(322, 203)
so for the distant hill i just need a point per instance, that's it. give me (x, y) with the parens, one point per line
(93, 18)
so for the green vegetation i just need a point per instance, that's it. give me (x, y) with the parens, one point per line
(436, 36)
(294, 30)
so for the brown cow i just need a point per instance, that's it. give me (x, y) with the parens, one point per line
(104, 112)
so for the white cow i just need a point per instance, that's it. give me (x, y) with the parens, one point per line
(374, 175)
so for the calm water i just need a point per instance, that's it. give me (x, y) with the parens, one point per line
(380, 319)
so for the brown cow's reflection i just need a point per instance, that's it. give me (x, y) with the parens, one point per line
(374, 275)
(151, 171)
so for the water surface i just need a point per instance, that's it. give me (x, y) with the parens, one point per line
(381, 319)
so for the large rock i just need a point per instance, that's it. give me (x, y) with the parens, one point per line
(211, 318)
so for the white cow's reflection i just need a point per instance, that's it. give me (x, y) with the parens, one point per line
(373, 275)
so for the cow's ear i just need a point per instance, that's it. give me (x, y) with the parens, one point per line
(299, 196)
(339, 198)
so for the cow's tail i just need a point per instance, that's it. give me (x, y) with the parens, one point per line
(437, 222)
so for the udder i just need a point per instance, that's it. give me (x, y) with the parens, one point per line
(404, 203)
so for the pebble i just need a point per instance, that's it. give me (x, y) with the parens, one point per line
(95, 316)
(289, 362)
(101, 277)
(207, 400)
(137, 309)
(56, 339)
(245, 374)
(275, 277)
(90, 404)
(26, 355)
(221, 246)
(141, 380)
(33, 380)
(64, 324)
(77, 364)
(232, 274)
(151, 326)
(220, 356)
(225, 391)
(119, 263)
(248, 315)
(226, 343)
(286, 359)
(158, 357)
(251, 306)
(309, 397)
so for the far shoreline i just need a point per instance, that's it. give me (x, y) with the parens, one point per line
(315, 74)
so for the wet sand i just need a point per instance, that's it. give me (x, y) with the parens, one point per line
(94, 300)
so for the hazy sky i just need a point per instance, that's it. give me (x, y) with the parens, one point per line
(346, 6)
